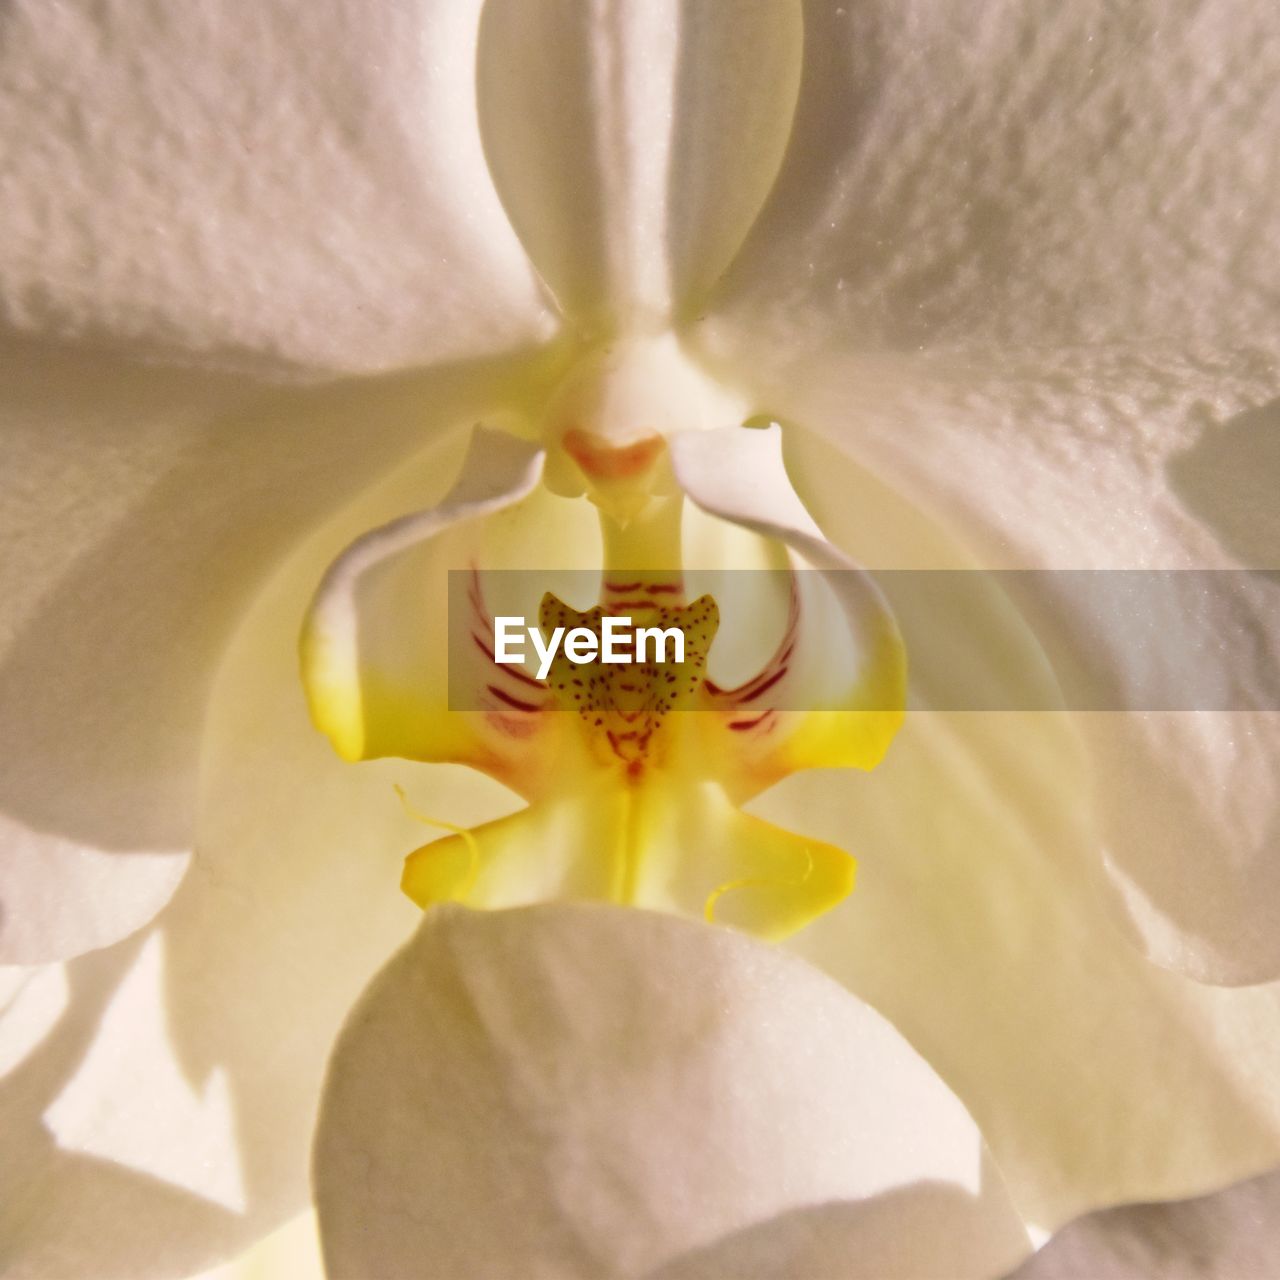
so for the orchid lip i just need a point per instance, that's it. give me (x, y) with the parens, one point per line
(626, 800)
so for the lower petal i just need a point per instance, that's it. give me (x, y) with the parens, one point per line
(587, 1092)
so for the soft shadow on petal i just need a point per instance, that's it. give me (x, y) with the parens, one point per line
(976, 926)
(145, 507)
(632, 143)
(301, 183)
(923, 1230)
(1231, 1235)
(591, 1091)
(1002, 175)
(62, 1208)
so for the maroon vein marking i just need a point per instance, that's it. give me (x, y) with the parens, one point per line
(503, 669)
(739, 725)
(764, 688)
(517, 703)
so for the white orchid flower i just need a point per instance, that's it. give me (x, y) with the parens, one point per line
(1003, 277)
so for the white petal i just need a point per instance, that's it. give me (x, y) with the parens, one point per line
(924, 1231)
(1230, 1235)
(299, 183)
(590, 1091)
(1003, 174)
(975, 926)
(633, 142)
(61, 897)
(1108, 461)
(140, 509)
(292, 903)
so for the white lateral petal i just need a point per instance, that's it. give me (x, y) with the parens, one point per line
(633, 142)
(291, 904)
(1002, 174)
(590, 1091)
(1116, 462)
(299, 183)
(976, 926)
(140, 509)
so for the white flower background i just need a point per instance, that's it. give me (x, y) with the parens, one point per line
(1006, 274)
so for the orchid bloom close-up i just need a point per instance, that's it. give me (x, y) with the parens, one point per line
(334, 942)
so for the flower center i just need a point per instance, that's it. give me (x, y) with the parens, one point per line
(606, 425)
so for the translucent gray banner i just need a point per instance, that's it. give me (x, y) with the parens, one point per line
(1088, 640)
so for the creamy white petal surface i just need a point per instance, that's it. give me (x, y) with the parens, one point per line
(1009, 176)
(307, 187)
(587, 1091)
(292, 184)
(632, 143)
(292, 902)
(1231, 1235)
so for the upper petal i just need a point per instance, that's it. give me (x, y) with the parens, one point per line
(1002, 174)
(588, 1091)
(300, 183)
(633, 142)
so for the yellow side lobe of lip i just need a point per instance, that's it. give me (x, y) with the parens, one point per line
(664, 844)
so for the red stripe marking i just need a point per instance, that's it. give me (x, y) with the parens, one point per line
(739, 725)
(512, 702)
(764, 688)
(505, 669)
